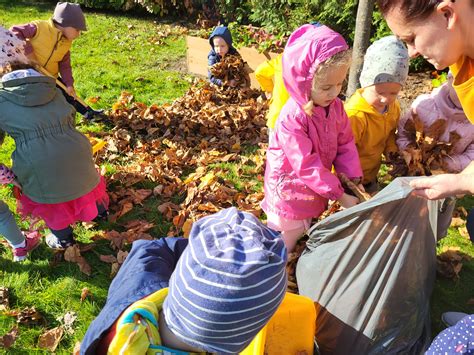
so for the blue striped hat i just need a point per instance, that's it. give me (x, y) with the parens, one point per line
(228, 282)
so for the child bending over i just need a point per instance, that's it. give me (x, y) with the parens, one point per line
(312, 134)
(53, 161)
(211, 292)
(374, 109)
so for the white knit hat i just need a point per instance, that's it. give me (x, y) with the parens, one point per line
(12, 48)
(386, 61)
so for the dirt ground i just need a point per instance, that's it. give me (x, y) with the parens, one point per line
(417, 84)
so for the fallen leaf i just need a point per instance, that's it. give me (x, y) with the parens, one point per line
(50, 339)
(121, 256)
(77, 348)
(4, 298)
(67, 320)
(457, 222)
(187, 228)
(7, 340)
(109, 259)
(85, 293)
(29, 316)
(114, 269)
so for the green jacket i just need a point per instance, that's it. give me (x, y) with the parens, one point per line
(53, 161)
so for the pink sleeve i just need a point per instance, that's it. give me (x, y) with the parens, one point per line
(24, 32)
(65, 69)
(307, 164)
(457, 163)
(347, 160)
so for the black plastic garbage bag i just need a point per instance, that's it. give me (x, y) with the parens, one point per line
(370, 270)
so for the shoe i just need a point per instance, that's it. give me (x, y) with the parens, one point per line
(55, 243)
(101, 217)
(451, 318)
(32, 240)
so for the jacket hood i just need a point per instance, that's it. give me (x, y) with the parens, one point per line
(29, 91)
(221, 31)
(307, 48)
(442, 97)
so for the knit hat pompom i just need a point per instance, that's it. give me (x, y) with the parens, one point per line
(228, 282)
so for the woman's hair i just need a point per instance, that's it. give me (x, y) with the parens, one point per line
(15, 65)
(411, 9)
(340, 59)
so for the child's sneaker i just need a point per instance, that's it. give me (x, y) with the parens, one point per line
(55, 243)
(32, 240)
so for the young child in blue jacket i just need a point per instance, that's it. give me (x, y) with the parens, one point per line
(221, 45)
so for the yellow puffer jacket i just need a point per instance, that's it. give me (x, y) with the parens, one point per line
(269, 76)
(49, 45)
(374, 132)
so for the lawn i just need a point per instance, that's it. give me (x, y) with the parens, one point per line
(147, 59)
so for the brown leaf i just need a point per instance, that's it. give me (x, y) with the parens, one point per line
(29, 316)
(7, 340)
(50, 339)
(114, 269)
(121, 256)
(73, 255)
(77, 348)
(85, 293)
(4, 298)
(109, 259)
(188, 224)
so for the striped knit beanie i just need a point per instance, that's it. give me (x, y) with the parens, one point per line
(228, 282)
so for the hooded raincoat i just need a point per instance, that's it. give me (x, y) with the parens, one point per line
(52, 160)
(439, 105)
(298, 177)
(374, 133)
(213, 57)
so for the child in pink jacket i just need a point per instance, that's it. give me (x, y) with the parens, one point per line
(312, 134)
(442, 103)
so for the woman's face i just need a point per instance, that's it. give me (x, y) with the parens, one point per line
(434, 38)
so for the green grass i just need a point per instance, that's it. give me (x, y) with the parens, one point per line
(119, 53)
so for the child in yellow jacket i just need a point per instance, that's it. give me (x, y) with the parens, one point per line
(374, 109)
(269, 76)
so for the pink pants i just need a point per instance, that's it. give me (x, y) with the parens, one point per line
(291, 229)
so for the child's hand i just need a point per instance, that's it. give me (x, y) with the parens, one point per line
(348, 201)
(71, 91)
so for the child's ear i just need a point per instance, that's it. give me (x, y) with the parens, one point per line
(446, 8)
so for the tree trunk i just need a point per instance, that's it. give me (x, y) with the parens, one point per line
(361, 42)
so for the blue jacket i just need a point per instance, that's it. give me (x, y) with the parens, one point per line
(147, 269)
(213, 57)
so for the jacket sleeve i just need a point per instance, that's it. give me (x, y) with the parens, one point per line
(307, 164)
(211, 60)
(347, 160)
(264, 75)
(25, 32)
(457, 163)
(65, 69)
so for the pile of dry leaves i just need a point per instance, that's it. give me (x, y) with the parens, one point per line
(232, 67)
(426, 154)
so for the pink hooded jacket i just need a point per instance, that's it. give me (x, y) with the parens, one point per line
(438, 104)
(298, 177)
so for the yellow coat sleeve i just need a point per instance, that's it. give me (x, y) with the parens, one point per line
(265, 73)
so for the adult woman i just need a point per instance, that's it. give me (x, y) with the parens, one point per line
(441, 31)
